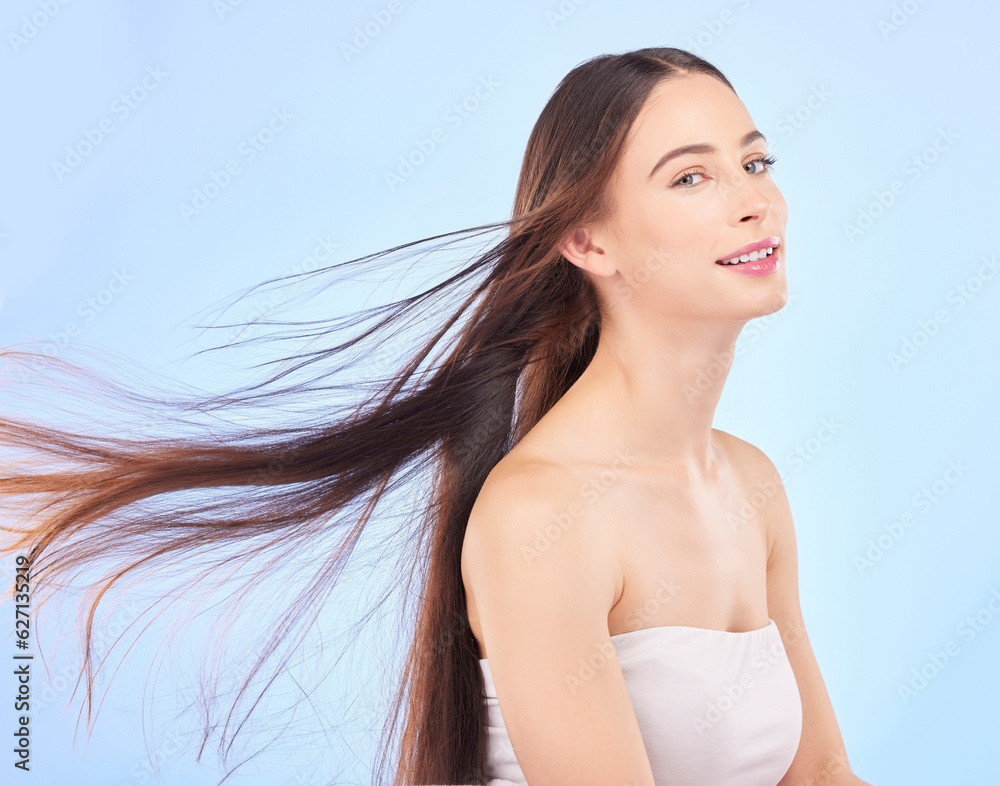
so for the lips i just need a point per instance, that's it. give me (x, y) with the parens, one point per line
(767, 242)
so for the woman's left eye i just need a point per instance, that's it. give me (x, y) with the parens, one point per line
(766, 163)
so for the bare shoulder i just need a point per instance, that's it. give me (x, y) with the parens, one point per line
(535, 507)
(747, 457)
(763, 486)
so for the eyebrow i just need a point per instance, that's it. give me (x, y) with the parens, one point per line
(702, 147)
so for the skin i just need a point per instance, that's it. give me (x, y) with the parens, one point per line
(671, 318)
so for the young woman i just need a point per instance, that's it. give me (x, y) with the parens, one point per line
(611, 584)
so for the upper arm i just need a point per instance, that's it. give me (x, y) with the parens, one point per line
(821, 746)
(782, 547)
(543, 591)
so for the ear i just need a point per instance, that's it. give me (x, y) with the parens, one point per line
(580, 249)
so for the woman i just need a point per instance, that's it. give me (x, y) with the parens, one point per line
(624, 484)
(615, 575)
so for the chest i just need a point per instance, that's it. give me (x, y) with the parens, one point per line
(690, 555)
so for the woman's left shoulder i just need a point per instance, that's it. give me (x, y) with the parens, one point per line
(745, 455)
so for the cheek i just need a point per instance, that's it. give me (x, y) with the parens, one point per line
(780, 207)
(667, 230)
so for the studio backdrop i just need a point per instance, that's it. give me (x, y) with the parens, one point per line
(159, 160)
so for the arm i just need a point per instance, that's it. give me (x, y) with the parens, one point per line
(821, 757)
(542, 616)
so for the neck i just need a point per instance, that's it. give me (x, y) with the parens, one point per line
(656, 389)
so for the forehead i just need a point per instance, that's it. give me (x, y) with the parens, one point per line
(685, 110)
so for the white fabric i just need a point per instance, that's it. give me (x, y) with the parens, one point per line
(715, 707)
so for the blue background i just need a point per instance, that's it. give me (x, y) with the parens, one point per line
(877, 376)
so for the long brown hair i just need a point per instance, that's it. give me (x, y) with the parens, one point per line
(526, 326)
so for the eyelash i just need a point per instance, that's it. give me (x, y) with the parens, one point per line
(768, 161)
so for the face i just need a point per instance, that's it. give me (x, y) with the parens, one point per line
(674, 219)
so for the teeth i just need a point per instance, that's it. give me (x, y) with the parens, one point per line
(753, 256)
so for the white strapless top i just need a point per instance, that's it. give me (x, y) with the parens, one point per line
(715, 707)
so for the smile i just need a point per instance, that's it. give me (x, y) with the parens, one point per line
(753, 256)
(751, 253)
(754, 259)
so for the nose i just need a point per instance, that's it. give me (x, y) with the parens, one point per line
(750, 202)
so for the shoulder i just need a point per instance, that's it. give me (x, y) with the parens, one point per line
(531, 518)
(763, 485)
(747, 456)
(752, 465)
(527, 500)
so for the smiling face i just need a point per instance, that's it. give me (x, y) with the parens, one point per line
(676, 211)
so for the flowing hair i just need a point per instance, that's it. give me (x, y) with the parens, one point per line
(525, 326)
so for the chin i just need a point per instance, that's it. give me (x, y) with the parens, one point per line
(771, 301)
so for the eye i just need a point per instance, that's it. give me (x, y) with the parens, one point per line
(680, 181)
(766, 163)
